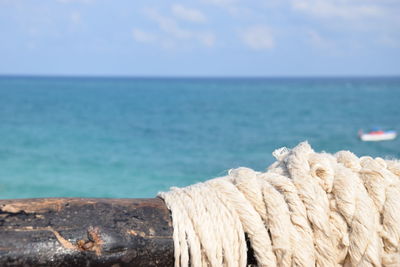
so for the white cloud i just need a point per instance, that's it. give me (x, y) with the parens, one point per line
(352, 19)
(143, 36)
(75, 1)
(338, 8)
(232, 7)
(168, 25)
(189, 14)
(33, 31)
(173, 30)
(258, 37)
(208, 39)
(389, 41)
(221, 2)
(318, 41)
(75, 17)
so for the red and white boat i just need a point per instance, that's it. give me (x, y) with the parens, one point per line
(377, 135)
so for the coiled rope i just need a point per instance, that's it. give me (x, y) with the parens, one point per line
(307, 209)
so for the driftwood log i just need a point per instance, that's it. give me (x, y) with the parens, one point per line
(86, 232)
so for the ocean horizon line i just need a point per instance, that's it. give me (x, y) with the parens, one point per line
(194, 77)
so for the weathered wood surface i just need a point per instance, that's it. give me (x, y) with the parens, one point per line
(85, 232)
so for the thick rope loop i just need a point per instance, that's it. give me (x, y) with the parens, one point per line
(307, 209)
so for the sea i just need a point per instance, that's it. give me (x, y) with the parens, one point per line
(134, 137)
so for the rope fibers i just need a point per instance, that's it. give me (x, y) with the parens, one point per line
(307, 209)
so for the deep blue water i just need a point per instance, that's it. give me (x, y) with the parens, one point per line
(119, 137)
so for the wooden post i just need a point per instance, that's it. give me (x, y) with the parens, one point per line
(85, 232)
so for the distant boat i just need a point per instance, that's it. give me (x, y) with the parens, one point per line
(377, 135)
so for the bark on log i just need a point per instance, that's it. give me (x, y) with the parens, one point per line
(85, 232)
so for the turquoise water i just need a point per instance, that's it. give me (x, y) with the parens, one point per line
(109, 137)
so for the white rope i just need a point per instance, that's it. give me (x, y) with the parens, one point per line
(307, 209)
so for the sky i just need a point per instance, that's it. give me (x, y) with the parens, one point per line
(200, 37)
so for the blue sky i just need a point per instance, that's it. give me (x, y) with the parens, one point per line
(200, 37)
